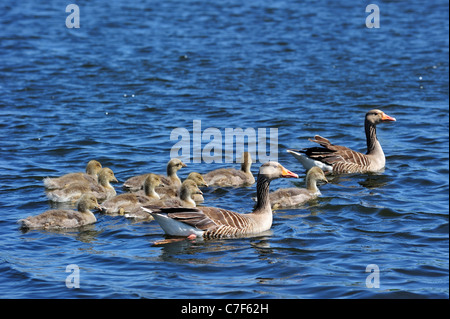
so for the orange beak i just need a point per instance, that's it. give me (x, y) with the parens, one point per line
(386, 117)
(285, 173)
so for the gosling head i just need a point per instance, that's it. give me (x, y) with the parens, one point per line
(151, 182)
(314, 175)
(197, 178)
(87, 202)
(174, 165)
(105, 176)
(93, 167)
(188, 189)
(317, 174)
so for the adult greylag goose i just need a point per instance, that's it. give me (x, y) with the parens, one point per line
(342, 160)
(129, 202)
(213, 222)
(294, 196)
(136, 182)
(171, 192)
(61, 218)
(188, 189)
(93, 167)
(72, 192)
(231, 177)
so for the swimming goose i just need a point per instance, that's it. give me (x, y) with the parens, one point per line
(213, 222)
(171, 192)
(129, 202)
(294, 196)
(342, 160)
(231, 177)
(72, 192)
(136, 182)
(61, 219)
(188, 189)
(92, 169)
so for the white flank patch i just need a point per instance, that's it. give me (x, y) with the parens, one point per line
(173, 227)
(308, 163)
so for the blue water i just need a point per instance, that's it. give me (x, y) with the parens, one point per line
(115, 88)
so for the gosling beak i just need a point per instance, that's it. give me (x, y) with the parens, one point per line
(386, 117)
(285, 173)
(199, 192)
(183, 165)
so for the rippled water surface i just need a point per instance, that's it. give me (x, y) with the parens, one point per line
(115, 88)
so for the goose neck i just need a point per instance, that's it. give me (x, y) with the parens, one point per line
(262, 195)
(185, 193)
(171, 171)
(150, 192)
(105, 183)
(311, 184)
(186, 196)
(82, 207)
(190, 202)
(245, 167)
(371, 137)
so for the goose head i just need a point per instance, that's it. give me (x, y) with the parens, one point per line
(314, 175)
(377, 116)
(150, 183)
(87, 202)
(272, 170)
(189, 188)
(197, 178)
(317, 174)
(174, 165)
(93, 167)
(105, 176)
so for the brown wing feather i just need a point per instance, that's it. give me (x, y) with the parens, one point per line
(342, 158)
(190, 216)
(206, 218)
(195, 218)
(226, 217)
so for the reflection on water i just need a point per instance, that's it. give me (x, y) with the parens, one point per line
(375, 181)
